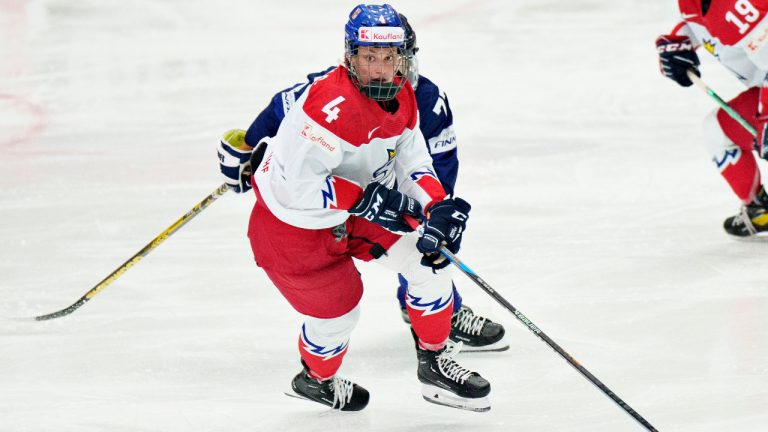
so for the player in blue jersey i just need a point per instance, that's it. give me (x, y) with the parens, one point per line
(477, 333)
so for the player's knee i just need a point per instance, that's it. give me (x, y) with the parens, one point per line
(331, 329)
(425, 283)
(722, 150)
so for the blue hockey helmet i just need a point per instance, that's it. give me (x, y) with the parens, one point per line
(410, 36)
(376, 26)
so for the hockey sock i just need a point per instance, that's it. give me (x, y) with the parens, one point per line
(431, 320)
(322, 359)
(403, 289)
(731, 145)
(741, 174)
(456, 299)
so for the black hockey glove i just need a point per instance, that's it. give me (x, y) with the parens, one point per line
(387, 207)
(446, 223)
(676, 56)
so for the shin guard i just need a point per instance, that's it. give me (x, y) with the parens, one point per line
(324, 342)
(431, 319)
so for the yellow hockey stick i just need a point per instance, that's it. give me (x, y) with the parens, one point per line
(221, 190)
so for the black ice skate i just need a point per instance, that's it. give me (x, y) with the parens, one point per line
(445, 382)
(752, 220)
(475, 332)
(337, 393)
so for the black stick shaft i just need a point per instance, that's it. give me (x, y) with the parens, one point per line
(139, 255)
(538, 332)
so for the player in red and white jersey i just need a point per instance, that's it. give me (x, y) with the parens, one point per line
(735, 32)
(477, 333)
(347, 167)
(337, 142)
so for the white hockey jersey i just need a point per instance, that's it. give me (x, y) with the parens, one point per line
(735, 32)
(332, 144)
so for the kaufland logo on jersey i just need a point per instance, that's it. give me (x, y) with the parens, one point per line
(381, 34)
(306, 130)
(306, 133)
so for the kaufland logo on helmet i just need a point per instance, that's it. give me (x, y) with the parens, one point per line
(381, 34)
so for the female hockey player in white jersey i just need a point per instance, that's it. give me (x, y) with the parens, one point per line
(477, 333)
(325, 195)
(735, 32)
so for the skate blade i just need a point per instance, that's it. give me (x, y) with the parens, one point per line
(498, 346)
(297, 396)
(304, 398)
(761, 237)
(442, 397)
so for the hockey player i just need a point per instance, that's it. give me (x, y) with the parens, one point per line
(735, 32)
(326, 193)
(477, 333)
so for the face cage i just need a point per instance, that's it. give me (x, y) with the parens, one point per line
(413, 71)
(381, 91)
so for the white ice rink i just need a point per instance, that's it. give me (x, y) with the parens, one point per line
(596, 212)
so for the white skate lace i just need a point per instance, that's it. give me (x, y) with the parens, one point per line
(743, 219)
(449, 367)
(342, 392)
(468, 322)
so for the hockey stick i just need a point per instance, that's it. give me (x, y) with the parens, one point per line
(538, 332)
(196, 210)
(414, 223)
(723, 104)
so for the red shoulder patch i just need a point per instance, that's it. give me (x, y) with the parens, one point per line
(337, 105)
(690, 11)
(332, 103)
(689, 7)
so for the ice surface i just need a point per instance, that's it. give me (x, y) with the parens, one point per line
(596, 212)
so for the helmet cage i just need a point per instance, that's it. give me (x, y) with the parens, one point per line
(377, 89)
(410, 49)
